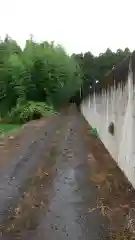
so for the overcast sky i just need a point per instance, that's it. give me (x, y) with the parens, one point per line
(79, 25)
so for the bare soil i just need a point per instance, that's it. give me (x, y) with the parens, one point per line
(115, 192)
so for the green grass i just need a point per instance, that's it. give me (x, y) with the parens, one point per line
(8, 128)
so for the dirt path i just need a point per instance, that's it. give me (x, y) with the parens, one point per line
(64, 193)
(64, 186)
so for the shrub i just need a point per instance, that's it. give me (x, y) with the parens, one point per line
(29, 111)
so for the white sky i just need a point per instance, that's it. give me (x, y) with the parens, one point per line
(79, 25)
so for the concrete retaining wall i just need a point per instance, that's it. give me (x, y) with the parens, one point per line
(117, 106)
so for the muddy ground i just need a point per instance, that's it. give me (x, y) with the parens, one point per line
(57, 181)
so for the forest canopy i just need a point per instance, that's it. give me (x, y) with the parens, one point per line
(94, 68)
(41, 72)
(44, 73)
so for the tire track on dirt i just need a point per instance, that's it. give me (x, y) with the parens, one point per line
(23, 215)
(13, 177)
